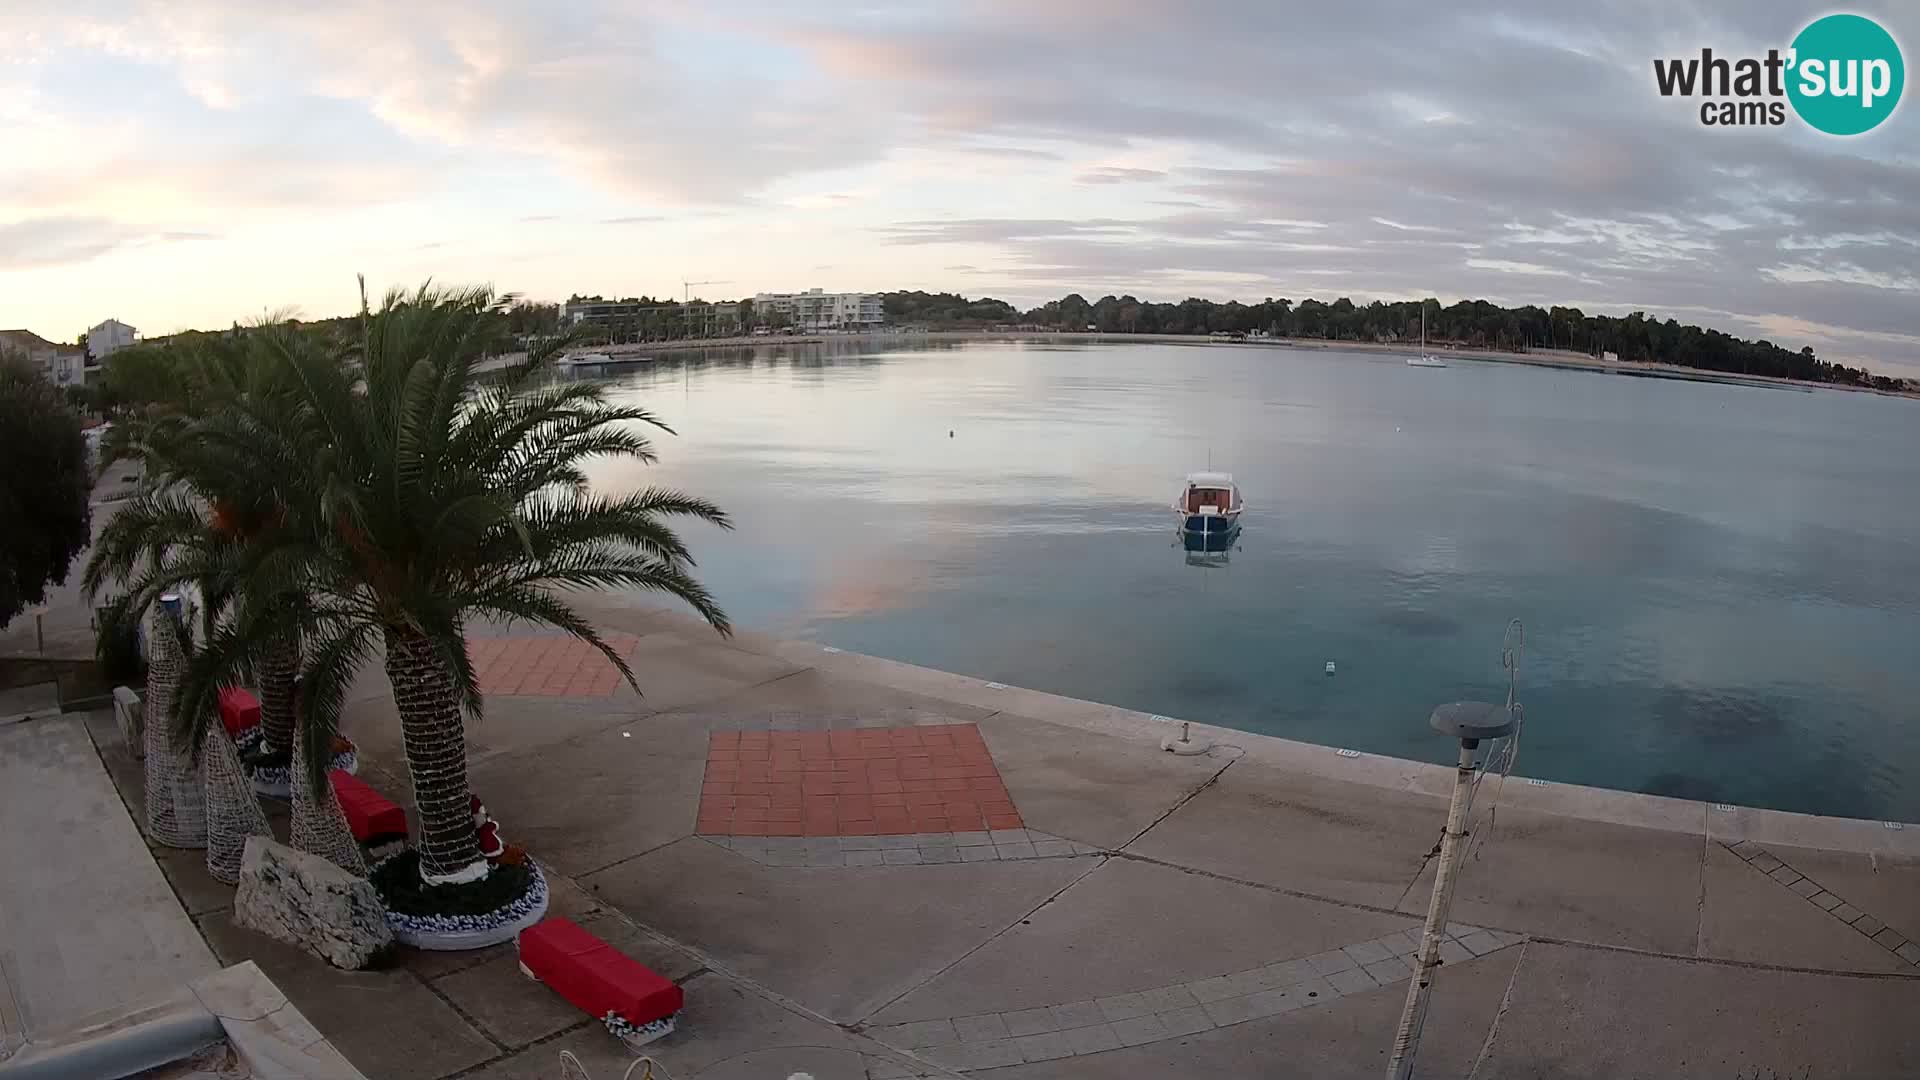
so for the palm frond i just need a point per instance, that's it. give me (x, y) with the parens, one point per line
(526, 604)
(335, 651)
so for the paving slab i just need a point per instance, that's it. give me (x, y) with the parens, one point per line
(724, 1031)
(1579, 880)
(510, 726)
(19, 704)
(840, 941)
(127, 773)
(198, 891)
(627, 789)
(388, 1023)
(1604, 1012)
(1098, 791)
(680, 676)
(1299, 831)
(1885, 886)
(837, 700)
(1749, 916)
(506, 1005)
(1131, 926)
(1346, 1039)
(87, 921)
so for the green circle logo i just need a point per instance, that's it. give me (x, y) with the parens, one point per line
(1846, 74)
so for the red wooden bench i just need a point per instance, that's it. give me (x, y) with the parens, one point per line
(374, 818)
(600, 979)
(239, 710)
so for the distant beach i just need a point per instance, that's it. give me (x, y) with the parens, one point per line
(641, 352)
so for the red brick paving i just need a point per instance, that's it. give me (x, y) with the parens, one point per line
(547, 666)
(852, 782)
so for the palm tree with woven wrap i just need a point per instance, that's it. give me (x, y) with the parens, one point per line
(427, 494)
(205, 505)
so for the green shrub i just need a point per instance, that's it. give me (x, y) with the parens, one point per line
(116, 646)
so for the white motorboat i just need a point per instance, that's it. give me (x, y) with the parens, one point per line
(1209, 507)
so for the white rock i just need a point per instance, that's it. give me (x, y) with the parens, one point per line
(128, 709)
(307, 901)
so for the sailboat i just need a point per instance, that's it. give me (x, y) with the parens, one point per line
(1425, 359)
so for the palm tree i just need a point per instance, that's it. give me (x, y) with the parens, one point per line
(205, 505)
(427, 493)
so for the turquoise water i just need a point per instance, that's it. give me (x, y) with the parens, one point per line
(1720, 585)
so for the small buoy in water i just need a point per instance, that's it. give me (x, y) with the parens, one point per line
(1329, 667)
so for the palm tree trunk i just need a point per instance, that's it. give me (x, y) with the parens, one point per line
(279, 664)
(435, 737)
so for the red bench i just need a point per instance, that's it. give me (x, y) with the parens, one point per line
(239, 710)
(373, 817)
(599, 979)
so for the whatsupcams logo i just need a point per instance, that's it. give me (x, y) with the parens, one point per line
(1842, 75)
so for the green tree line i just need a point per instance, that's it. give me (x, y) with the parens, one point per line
(1475, 324)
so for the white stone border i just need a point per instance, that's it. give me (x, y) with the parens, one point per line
(458, 933)
(277, 783)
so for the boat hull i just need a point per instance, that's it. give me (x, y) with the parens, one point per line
(1209, 524)
(1209, 541)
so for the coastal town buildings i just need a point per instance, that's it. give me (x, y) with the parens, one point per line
(63, 365)
(103, 340)
(817, 310)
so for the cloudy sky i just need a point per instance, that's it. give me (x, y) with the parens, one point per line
(193, 162)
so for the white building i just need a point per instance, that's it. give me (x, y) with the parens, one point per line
(817, 310)
(113, 334)
(68, 368)
(61, 365)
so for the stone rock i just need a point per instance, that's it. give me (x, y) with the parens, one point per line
(307, 901)
(128, 709)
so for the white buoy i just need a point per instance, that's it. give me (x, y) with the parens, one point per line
(1329, 667)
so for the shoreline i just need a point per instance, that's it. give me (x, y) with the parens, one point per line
(1559, 359)
(1720, 821)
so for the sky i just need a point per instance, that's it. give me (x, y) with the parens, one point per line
(192, 163)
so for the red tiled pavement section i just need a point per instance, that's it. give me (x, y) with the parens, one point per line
(853, 782)
(546, 666)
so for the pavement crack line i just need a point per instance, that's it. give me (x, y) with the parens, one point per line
(1506, 1002)
(465, 1017)
(1700, 912)
(1267, 887)
(1421, 870)
(1182, 801)
(1094, 864)
(584, 874)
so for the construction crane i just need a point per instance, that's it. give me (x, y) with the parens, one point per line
(686, 287)
(686, 297)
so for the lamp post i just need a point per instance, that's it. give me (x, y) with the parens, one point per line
(1469, 722)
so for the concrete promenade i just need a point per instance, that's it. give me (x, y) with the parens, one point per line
(815, 845)
(88, 927)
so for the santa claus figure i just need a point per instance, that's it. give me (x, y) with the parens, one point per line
(486, 830)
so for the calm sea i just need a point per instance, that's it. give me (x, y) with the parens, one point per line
(1720, 586)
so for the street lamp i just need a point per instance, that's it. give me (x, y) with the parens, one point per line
(1470, 722)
